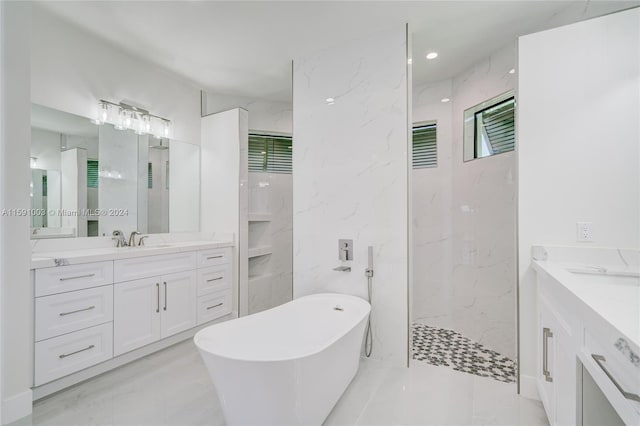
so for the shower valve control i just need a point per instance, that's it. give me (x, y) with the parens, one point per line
(345, 250)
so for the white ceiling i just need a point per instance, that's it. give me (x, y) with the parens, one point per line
(246, 48)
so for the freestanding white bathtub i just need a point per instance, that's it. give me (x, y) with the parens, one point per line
(288, 365)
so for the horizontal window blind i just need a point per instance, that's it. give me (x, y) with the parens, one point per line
(92, 173)
(499, 126)
(150, 175)
(424, 146)
(269, 153)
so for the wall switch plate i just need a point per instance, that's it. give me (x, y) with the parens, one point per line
(584, 231)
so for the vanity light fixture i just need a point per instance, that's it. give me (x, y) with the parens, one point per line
(33, 162)
(432, 55)
(127, 117)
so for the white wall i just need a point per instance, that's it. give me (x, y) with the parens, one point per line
(72, 70)
(578, 151)
(464, 216)
(350, 178)
(264, 115)
(17, 334)
(224, 195)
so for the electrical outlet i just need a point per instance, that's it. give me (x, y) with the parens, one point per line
(584, 231)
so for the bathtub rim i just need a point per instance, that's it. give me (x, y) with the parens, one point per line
(295, 357)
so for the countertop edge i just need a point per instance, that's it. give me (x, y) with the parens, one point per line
(47, 259)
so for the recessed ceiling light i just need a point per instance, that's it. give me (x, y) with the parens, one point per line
(445, 100)
(432, 55)
(512, 71)
(330, 100)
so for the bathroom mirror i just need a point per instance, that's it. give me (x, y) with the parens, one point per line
(89, 180)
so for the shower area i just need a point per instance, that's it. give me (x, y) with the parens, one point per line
(463, 303)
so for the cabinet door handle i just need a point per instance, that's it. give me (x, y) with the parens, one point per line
(546, 333)
(62, 314)
(165, 295)
(215, 257)
(158, 300)
(599, 359)
(76, 352)
(215, 306)
(77, 277)
(214, 279)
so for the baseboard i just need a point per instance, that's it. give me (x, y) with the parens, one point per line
(529, 387)
(17, 407)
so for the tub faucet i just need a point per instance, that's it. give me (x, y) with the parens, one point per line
(119, 237)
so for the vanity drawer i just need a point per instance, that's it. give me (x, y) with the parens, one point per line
(63, 355)
(214, 278)
(214, 305)
(153, 266)
(63, 313)
(60, 279)
(212, 257)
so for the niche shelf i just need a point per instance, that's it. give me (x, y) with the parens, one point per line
(259, 251)
(260, 217)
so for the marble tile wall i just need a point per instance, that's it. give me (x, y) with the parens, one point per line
(464, 216)
(350, 178)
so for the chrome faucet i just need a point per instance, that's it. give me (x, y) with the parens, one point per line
(119, 237)
(141, 240)
(132, 238)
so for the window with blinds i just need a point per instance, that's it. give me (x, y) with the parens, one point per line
(270, 153)
(425, 153)
(495, 129)
(92, 173)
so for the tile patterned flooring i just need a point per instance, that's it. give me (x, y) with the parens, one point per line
(172, 387)
(442, 347)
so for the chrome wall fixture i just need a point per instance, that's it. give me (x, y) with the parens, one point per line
(128, 117)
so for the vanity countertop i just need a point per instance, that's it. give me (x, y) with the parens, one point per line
(612, 292)
(72, 257)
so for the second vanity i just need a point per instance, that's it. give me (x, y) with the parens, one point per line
(588, 334)
(99, 308)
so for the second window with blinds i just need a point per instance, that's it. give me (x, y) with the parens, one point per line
(489, 128)
(425, 150)
(270, 153)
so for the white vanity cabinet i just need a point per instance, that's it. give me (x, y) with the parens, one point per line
(588, 369)
(556, 376)
(150, 309)
(96, 311)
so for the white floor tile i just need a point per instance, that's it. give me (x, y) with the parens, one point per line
(172, 388)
